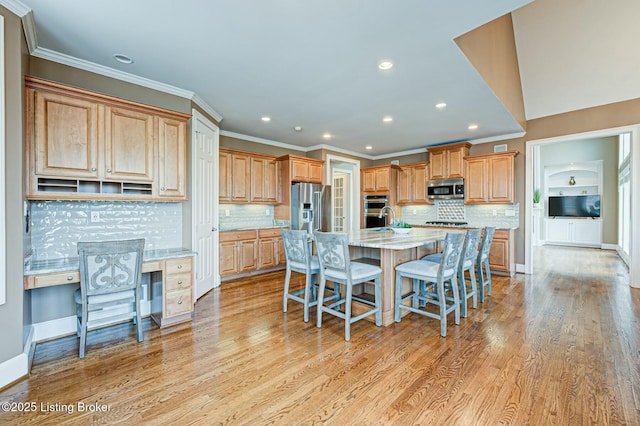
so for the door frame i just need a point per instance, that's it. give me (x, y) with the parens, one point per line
(355, 185)
(634, 255)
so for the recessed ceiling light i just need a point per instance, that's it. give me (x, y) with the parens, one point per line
(387, 119)
(441, 105)
(266, 119)
(124, 59)
(385, 65)
(327, 136)
(473, 126)
(368, 147)
(297, 128)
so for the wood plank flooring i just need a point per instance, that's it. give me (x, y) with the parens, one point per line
(561, 346)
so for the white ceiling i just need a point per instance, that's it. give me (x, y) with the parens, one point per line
(314, 63)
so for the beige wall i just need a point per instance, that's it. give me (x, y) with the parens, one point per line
(491, 49)
(13, 316)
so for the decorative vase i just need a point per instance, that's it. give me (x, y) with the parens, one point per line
(572, 180)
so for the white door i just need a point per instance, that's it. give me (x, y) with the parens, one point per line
(204, 202)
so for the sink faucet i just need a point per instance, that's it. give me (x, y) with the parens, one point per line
(393, 214)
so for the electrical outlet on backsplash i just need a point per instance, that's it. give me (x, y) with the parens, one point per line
(242, 216)
(56, 226)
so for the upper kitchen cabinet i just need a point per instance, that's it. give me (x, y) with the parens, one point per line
(447, 161)
(412, 183)
(301, 169)
(90, 146)
(247, 177)
(490, 178)
(379, 179)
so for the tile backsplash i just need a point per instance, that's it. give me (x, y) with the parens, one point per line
(240, 216)
(56, 226)
(499, 215)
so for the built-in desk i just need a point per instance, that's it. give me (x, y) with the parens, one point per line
(171, 284)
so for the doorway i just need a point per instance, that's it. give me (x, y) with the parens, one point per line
(532, 181)
(344, 175)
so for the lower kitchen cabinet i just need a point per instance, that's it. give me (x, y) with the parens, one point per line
(250, 250)
(176, 299)
(502, 254)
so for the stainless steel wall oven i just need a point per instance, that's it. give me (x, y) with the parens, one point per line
(372, 206)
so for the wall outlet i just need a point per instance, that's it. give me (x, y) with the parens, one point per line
(95, 217)
(227, 212)
(495, 212)
(267, 212)
(415, 212)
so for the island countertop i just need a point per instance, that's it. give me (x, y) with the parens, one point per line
(387, 239)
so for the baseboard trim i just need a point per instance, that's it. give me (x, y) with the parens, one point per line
(520, 269)
(17, 368)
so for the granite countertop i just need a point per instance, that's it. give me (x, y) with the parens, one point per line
(467, 226)
(387, 239)
(250, 228)
(37, 267)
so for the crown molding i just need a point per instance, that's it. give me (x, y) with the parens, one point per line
(205, 106)
(497, 138)
(16, 7)
(262, 141)
(28, 24)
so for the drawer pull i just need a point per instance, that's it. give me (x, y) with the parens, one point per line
(180, 301)
(70, 278)
(179, 266)
(180, 282)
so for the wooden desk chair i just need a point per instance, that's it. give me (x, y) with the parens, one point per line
(110, 275)
(429, 280)
(336, 266)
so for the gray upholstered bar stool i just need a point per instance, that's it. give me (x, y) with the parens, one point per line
(299, 259)
(336, 266)
(429, 280)
(110, 275)
(467, 284)
(482, 263)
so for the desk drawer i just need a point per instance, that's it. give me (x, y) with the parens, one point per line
(178, 282)
(56, 279)
(178, 302)
(178, 266)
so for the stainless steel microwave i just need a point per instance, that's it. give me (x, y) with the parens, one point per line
(445, 189)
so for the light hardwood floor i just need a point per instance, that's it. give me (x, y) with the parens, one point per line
(561, 346)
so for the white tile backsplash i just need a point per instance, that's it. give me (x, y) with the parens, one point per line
(240, 216)
(56, 226)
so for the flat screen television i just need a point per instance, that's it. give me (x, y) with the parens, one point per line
(574, 205)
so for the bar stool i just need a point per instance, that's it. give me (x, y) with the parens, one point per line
(300, 260)
(336, 266)
(466, 263)
(429, 284)
(484, 280)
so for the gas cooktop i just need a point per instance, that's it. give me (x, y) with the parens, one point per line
(451, 223)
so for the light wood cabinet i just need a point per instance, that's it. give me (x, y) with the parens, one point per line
(172, 156)
(178, 294)
(90, 146)
(250, 250)
(379, 179)
(247, 177)
(502, 253)
(447, 161)
(263, 180)
(238, 251)
(128, 145)
(490, 178)
(306, 170)
(412, 184)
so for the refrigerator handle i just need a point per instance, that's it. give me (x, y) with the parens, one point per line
(317, 207)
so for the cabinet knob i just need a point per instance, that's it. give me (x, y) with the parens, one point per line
(69, 278)
(93, 169)
(162, 189)
(108, 170)
(180, 282)
(179, 266)
(180, 301)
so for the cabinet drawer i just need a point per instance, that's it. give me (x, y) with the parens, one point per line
(269, 233)
(238, 235)
(178, 266)
(56, 279)
(178, 302)
(178, 282)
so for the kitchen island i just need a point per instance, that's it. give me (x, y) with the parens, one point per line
(385, 248)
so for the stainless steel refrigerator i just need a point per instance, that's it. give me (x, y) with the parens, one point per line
(311, 207)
